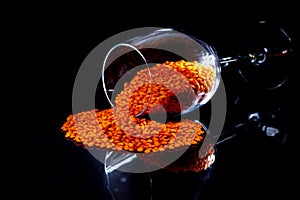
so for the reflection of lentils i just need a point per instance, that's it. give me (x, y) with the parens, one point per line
(174, 86)
(105, 133)
(191, 161)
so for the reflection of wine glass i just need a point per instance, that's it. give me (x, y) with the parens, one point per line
(160, 184)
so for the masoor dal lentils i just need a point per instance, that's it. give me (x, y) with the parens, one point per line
(106, 134)
(174, 86)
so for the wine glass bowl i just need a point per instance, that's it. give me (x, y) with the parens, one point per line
(162, 70)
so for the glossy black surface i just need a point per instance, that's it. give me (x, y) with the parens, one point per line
(250, 165)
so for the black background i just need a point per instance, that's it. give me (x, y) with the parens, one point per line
(249, 166)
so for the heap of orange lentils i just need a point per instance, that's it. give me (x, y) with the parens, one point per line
(100, 130)
(173, 86)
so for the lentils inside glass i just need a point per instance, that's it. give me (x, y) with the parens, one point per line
(175, 86)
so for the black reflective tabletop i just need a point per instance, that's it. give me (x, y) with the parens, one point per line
(254, 156)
